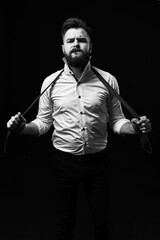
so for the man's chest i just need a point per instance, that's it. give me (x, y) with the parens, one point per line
(72, 94)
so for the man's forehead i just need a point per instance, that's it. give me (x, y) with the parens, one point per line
(76, 33)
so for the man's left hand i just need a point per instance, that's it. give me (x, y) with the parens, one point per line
(143, 124)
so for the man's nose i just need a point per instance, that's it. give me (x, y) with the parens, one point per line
(76, 43)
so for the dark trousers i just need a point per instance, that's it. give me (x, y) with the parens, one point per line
(68, 171)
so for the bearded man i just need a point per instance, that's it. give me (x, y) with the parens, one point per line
(80, 108)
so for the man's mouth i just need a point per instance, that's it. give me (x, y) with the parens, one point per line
(76, 51)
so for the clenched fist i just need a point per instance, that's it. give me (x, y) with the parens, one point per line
(16, 122)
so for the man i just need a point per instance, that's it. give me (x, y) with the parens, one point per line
(80, 107)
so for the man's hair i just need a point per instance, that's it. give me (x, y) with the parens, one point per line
(75, 23)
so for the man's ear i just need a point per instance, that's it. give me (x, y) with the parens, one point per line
(63, 48)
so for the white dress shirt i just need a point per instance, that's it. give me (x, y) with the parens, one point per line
(79, 111)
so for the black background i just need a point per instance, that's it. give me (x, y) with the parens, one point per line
(126, 37)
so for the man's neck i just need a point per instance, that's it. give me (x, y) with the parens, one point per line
(77, 71)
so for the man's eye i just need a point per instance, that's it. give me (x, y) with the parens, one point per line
(70, 41)
(82, 40)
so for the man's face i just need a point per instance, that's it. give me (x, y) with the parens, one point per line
(76, 47)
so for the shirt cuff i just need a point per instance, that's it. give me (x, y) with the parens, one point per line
(117, 126)
(38, 123)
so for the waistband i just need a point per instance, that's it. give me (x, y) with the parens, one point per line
(82, 158)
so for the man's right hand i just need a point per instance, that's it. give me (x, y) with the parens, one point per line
(16, 123)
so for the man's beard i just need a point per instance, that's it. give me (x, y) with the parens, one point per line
(77, 61)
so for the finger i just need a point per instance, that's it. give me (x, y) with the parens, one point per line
(145, 127)
(15, 121)
(21, 117)
(145, 122)
(11, 124)
(143, 119)
(135, 120)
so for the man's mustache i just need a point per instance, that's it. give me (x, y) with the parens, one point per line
(75, 50)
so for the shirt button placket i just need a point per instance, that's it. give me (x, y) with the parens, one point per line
(82, 115)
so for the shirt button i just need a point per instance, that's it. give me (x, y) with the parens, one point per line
(79, 96)
(81, 112)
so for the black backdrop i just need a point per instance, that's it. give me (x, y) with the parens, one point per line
(126, 44)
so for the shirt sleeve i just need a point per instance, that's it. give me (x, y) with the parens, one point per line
(44, 118)
(116, 115)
